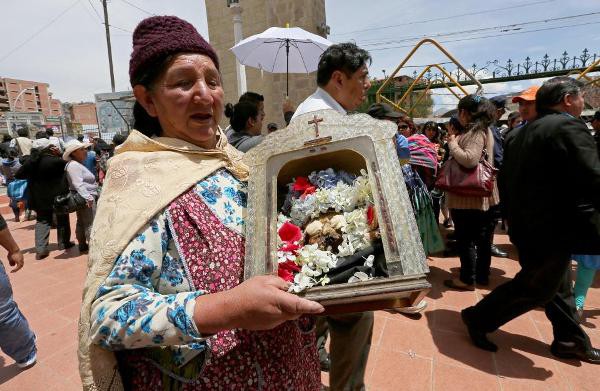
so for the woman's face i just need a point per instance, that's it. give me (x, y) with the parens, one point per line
(464, 117)
(430, 133)
(254, 125)
(187, 99)
(79, 155)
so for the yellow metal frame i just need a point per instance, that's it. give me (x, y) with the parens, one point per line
(379, 97)
(583, 75)
(427, 89)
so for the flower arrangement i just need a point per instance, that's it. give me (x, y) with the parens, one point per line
(326, 216)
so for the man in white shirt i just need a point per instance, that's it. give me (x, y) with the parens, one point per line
(343, 82)
(58, 143)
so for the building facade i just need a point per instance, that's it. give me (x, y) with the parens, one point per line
(28, 96)
(257, 16)
(83, 113)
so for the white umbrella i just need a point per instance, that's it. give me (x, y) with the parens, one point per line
(279, 50)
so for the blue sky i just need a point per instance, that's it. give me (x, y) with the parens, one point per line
(70, 54)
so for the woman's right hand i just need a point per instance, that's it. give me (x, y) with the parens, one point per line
(260, 303)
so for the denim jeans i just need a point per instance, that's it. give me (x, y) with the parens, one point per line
(16, 338)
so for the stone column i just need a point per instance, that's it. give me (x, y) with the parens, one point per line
(236, 11)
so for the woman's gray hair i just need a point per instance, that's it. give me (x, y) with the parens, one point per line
(553, 91)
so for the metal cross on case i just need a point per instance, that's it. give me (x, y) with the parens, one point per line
(316, 121)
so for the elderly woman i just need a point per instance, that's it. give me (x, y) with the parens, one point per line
(164, 304)
(45, 173)
(82, 181)
(471, 215)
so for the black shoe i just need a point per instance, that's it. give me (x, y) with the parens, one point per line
(84, 248)
(42, 255)
(482, 281)
(66, 246)
(498, 253)
(572, 350)
(477, 336)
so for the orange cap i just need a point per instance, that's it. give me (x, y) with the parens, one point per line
(528, 95)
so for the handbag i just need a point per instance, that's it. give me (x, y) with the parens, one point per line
(69, 203)
(468, 182)
(17, 189)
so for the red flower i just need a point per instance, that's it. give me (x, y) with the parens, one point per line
(286, 270)
(301, 184)
(289, 232)
(370, 214)
(289, 247)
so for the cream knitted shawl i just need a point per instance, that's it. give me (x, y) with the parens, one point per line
(143, 177)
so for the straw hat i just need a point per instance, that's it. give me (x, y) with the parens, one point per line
(73, 146)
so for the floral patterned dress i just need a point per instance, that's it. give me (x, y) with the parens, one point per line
(144, 310)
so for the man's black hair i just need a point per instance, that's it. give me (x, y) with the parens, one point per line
(49, 132)
(345, 57)
(41, 134)
(553, 91)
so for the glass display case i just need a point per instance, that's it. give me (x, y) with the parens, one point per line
(352, 144)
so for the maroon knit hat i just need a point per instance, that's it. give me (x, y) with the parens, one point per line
(159, 36)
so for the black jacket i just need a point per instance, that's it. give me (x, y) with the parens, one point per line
(550, 168)
(46, 179)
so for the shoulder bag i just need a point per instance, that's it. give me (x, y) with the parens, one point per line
(69, 202)
(467, 182)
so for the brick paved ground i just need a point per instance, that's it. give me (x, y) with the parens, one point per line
(430, 353)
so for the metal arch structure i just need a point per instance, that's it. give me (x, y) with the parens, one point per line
(379, 94)
(417, 80)
(584, 74)
(427, 89)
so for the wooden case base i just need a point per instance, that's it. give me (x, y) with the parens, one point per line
(376, 294)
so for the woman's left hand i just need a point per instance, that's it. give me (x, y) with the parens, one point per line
(90, 203)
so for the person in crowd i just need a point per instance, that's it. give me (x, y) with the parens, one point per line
(342, 85)
(541, 220)
(45, 173)
(80, 138)
(55, 140)
(471, 215)
(22, 143)
(118, 139)
(246, 125)
(527, 105)
(288, 110)
(514, 120)
(41, 134)
(164, 304)
(452, 127)
(10, 166)
(596, 127)
(5, 146)
(431, 130)
(91, 161)
(586, 264)
(82, 181)
(499, 103)
(271, 127)
(17, 340)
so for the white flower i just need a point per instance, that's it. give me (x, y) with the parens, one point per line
(369, 260)
(359, 276)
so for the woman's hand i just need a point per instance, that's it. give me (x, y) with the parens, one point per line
(451, 138)
(260, 303)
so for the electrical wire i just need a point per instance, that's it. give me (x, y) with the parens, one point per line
(39, 31)
(95, 10)
(492, 36)
(503, 28)
(138, 8)
(446, 17)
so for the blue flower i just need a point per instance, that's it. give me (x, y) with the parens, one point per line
(128, 312)
(154, 226)
(238, 196)
(145, 325)
(171, 271)
(141, 237)
(141, 267)
(179, 319)
(101, 314)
